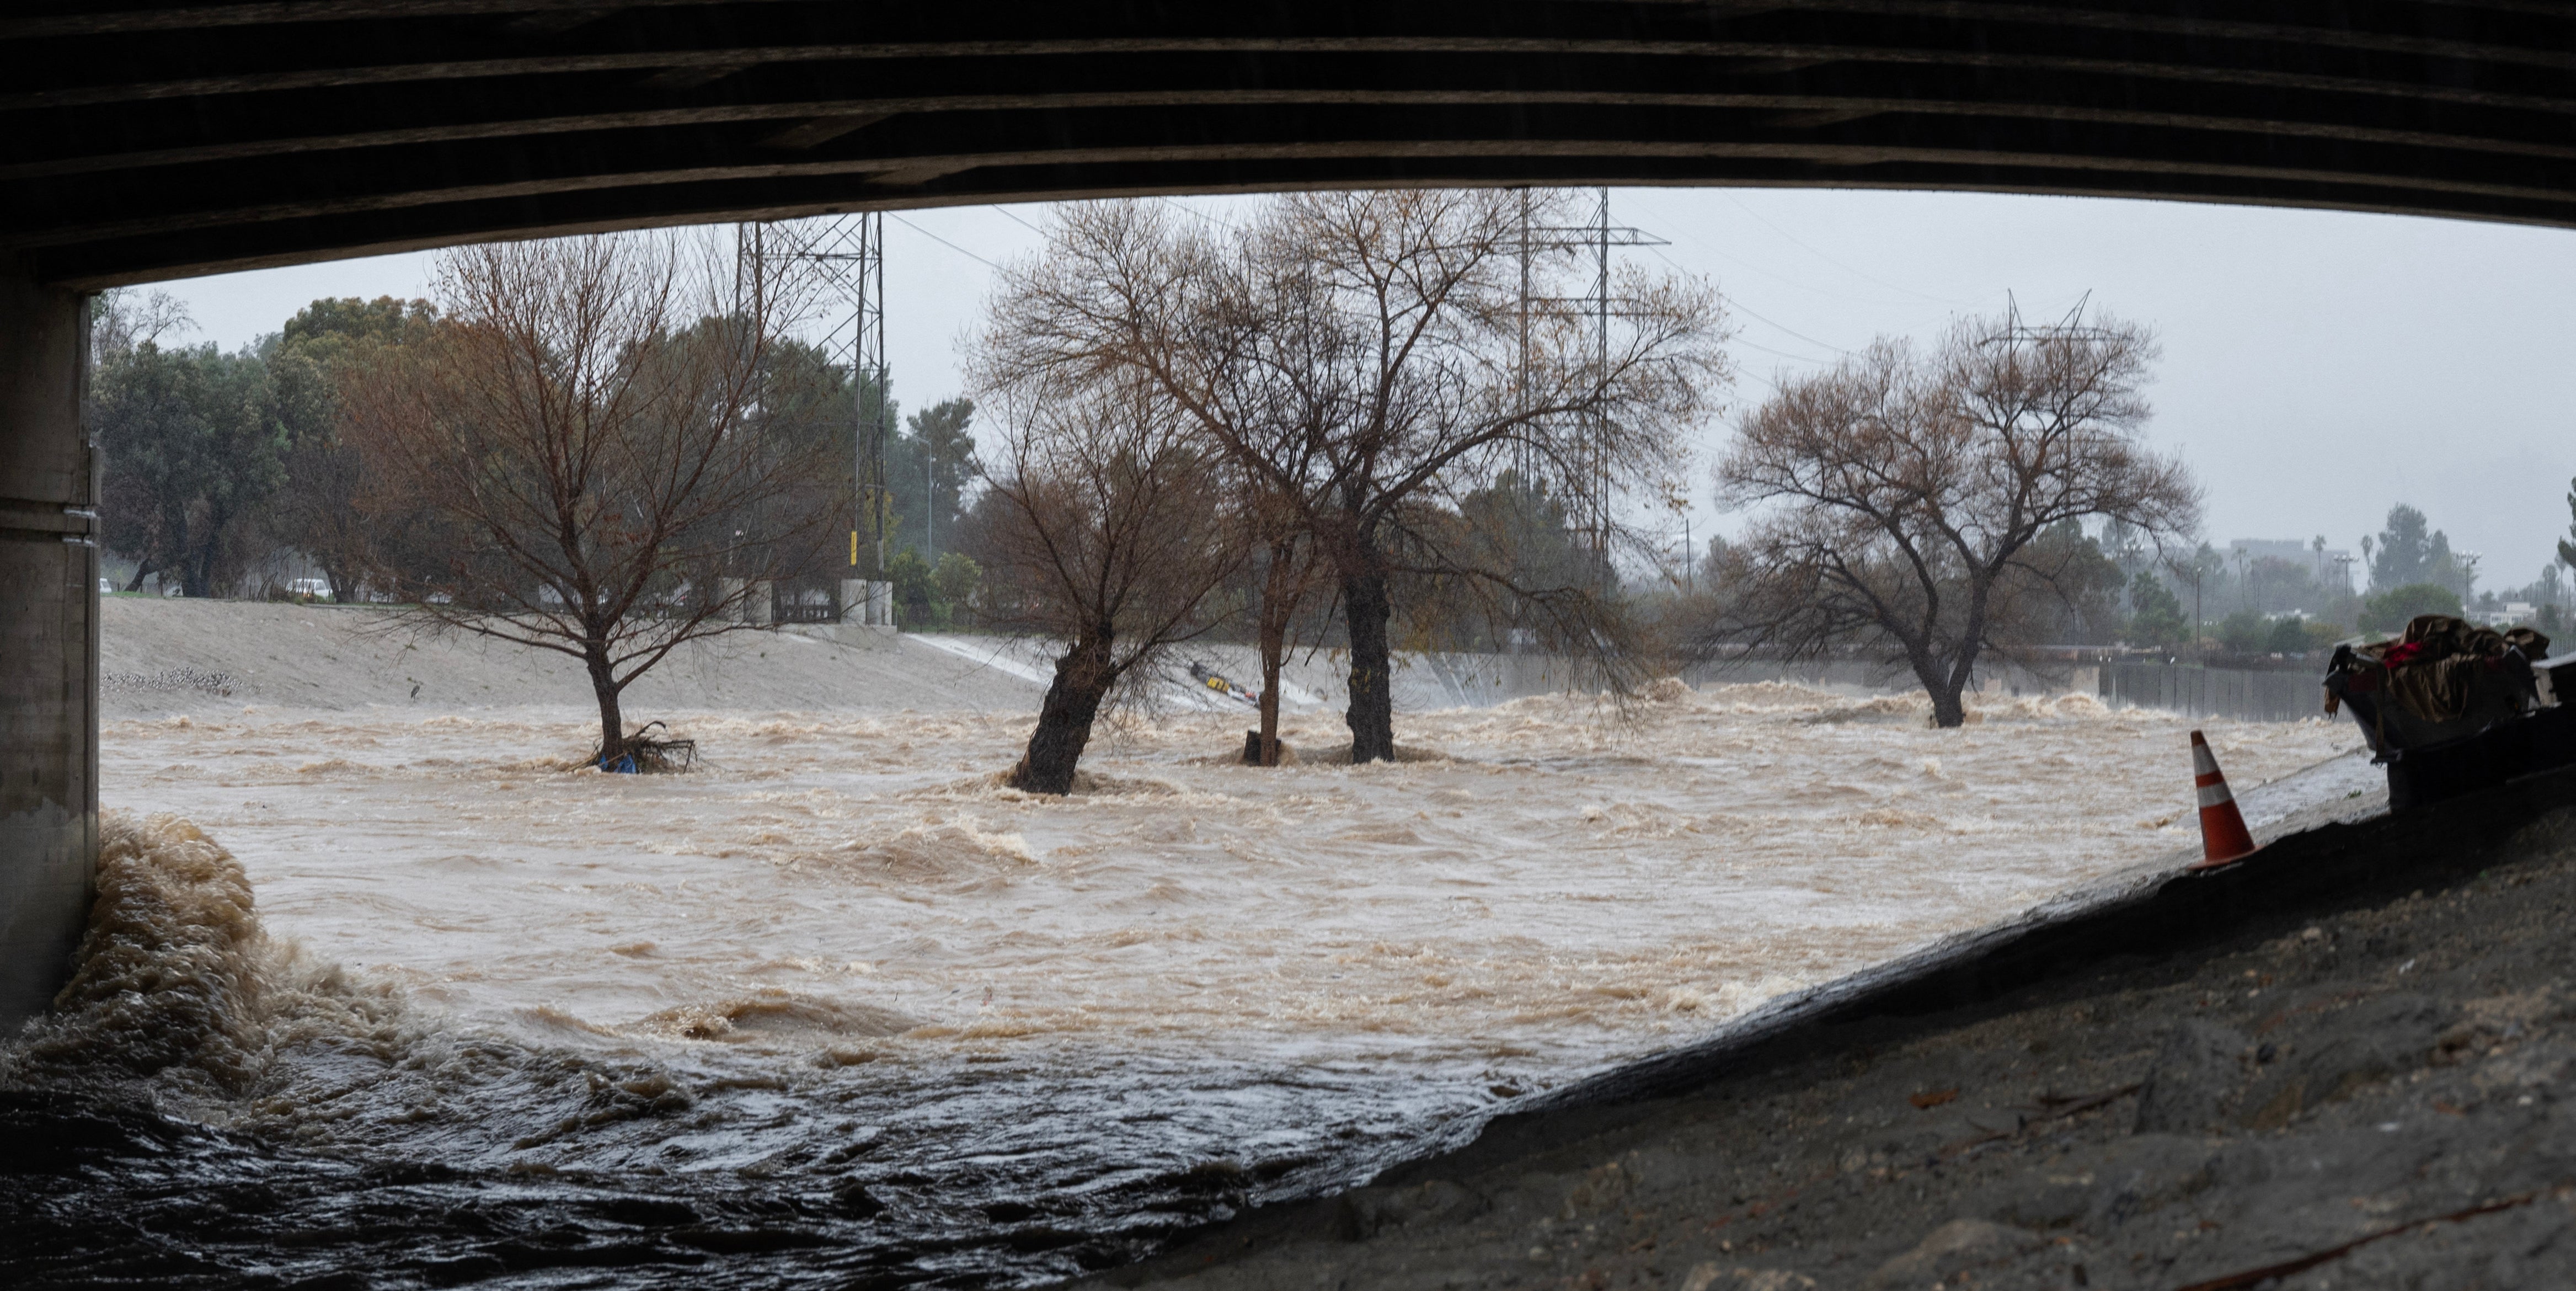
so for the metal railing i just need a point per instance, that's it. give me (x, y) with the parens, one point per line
(793, 604)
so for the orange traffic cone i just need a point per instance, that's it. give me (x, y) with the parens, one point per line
(2224, 839)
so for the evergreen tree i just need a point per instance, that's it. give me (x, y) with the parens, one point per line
(316, 511)
(2410, 552)
(928, 469)
(2156, 617)
(192, 448)
(2390, 610)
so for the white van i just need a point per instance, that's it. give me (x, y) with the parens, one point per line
(317, 588)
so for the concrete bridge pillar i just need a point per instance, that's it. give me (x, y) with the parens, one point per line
(48, 644)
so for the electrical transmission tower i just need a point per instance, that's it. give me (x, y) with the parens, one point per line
(839, 261)
(2070, 328)
(1588, 487)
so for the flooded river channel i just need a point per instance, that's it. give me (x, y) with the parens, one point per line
(386, 999)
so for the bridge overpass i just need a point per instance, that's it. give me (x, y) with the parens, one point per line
(143, 141)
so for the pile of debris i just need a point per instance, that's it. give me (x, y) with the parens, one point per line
(2450, 706)
(648, 754)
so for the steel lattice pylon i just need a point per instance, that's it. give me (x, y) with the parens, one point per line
(838, 262)
(1587, 489)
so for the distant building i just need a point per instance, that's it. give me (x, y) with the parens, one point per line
(2327, 566)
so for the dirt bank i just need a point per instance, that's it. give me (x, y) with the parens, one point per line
(2339, 1066)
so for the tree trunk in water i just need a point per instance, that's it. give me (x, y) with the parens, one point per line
(1947, 686)
(1274, 645)
(1082, 680)
(1279, 596)
(612, 722)
(1949, 704)
(1372, 713)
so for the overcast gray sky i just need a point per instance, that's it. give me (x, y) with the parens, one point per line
(2318, 366)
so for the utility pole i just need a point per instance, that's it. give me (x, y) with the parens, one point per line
(1520, 375)
(2195, 569)
(1690, 558)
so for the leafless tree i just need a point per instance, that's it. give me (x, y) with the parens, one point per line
(1904, 494)
(1292, 575)
(582, 436)
(1365, 360)
(1110, 532)
(122, 318)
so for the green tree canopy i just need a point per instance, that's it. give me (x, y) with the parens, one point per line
(2289, 635)
(327, 327)
(2155, 616)
(2390, 610)
(928, 470)
(192, 446)
(2409, 551)
(2243, 632)
(316, 510)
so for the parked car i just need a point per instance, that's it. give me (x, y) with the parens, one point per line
(315, 588)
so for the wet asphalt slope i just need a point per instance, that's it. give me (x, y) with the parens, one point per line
(2347, 1064)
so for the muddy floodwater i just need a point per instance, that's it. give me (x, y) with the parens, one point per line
(839, 1008)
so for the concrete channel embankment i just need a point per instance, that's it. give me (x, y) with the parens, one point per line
(2342, 1063)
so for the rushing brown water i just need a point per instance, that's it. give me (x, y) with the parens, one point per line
(840, 1008)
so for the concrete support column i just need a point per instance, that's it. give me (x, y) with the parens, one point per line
(48, 644)
(867, 601)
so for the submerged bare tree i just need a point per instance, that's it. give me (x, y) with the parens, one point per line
(1906, 495)
(581, 436)
(1110, 532)
(1367, 360)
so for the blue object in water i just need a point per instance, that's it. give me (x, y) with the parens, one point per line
(625, 765)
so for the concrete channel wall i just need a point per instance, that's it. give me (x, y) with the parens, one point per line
(2212, 692)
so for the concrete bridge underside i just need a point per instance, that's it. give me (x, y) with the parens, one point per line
(143, 140)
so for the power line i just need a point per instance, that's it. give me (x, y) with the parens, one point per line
(1219, 221)
(1005, 213)
(946, 243)
(1739, 205)
(1740, 307)
(1801, 358)
(1687, 236)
